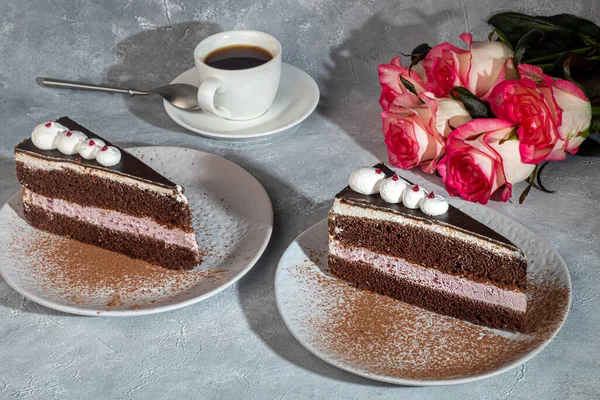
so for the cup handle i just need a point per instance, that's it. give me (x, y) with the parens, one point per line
(206, 97)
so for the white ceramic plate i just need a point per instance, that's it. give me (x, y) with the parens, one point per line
(304, 299)
(232, 214)
(296, 99)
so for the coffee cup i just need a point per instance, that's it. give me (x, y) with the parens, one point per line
(239, 73)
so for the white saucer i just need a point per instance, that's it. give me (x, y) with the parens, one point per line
(232, 216)
(296, 99)
(309, 298)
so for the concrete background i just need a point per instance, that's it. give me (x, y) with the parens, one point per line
(235, 345)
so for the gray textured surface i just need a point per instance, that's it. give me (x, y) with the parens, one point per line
(235, 345)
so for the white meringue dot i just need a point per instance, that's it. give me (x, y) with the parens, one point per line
(45, 135)
(108, 156)
(391, 189)
(434, 205)
(88, 149)
(70, 141)
(411, 198)
(366, 180)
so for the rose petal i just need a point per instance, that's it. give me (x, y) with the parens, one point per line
(450, 113)
(576, 112)
(488, 63)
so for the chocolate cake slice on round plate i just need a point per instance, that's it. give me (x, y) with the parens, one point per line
(79, 185)
(392, 237)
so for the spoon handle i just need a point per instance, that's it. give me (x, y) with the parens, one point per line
(57, 83)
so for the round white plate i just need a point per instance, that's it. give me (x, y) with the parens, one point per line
(302, 275)
(232, 215)
(296, 99)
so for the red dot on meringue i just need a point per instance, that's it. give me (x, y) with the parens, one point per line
(48, 124)
(378, 171)
(415, 188)
(431, 195)
(104, 148)
(92, 143)
(69, 134)
(395, 177)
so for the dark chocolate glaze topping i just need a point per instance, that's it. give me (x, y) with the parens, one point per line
(129, 165)
(453, 218)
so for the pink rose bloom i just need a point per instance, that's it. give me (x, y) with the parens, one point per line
(481, 162)
(522, 102)
(574, 109)
(479, 69)
(446, 66)
(554, 115)
(415, 134)
(392, 87)
(410, 133)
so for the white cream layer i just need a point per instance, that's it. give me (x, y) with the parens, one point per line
(363, 212)
(37, 163)
(431, 278)
(112, 220)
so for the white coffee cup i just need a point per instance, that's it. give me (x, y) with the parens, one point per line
(241, 94)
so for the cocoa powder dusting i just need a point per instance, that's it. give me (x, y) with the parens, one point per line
(68, 268)
(383, 336)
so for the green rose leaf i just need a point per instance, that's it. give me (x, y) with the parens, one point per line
(475, 107)
(562, 32)
(530, 181)
(501, 37)
(408, 85)
(530, 40)
(587, 30)
(418, 54)
(576, 67)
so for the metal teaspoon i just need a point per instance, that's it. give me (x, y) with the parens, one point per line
(181, 95)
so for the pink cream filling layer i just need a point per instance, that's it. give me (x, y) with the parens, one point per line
(113, 220)
(433, 278)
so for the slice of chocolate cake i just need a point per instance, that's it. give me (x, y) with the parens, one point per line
(77, 184)
(394, 238)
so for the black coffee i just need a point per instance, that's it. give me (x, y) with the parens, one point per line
(237, 57)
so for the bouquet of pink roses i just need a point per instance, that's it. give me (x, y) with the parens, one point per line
(487, 116)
